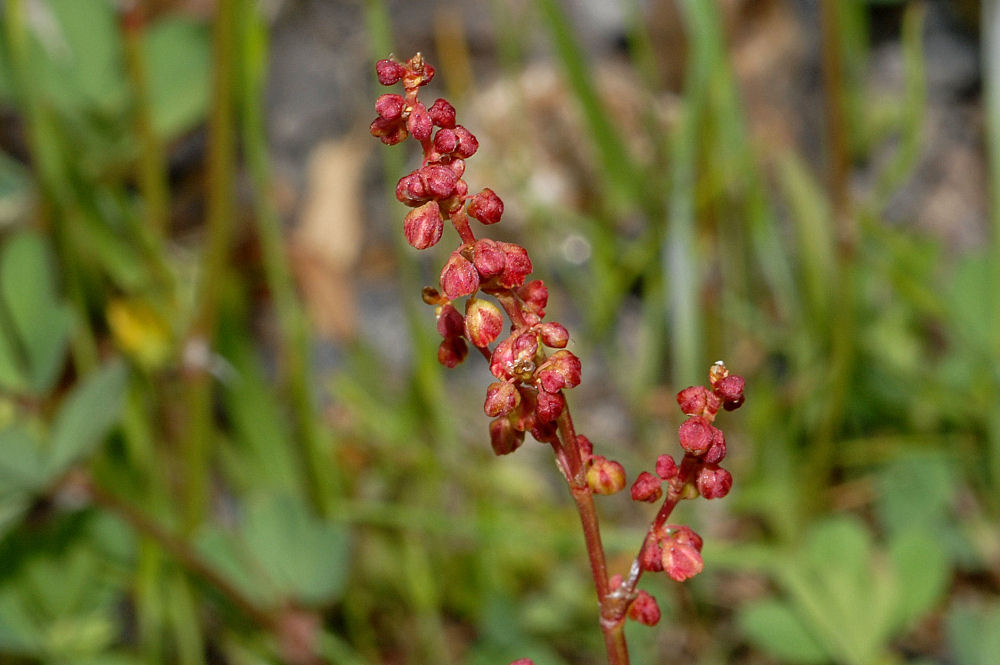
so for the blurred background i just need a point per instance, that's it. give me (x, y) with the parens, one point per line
(224, 435)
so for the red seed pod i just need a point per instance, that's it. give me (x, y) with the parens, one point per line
(695, 435)
(523, 661)
(483, 322)
(504, 438)
(389, 132)
(501, 399)
(666, 467)
(419, 123)
(517, 265)
(646, 488)
(458, 168)
(467, 143)
(693, 400)
(488, 258)
(550, 405)
(485, 206)
(502, 359)
(644, 610)
(730, 389)
(445, 141)
(717, 449)
(459, 277)
(651, 556)
(390, 106)
(682, 562)
(411, 191)
(605, 476)
(553, 335)
(545, 432)
(564, 365)
(713, 482)
(452, 351)
(442, 113)
(535, 296)
(449, 321)
(389, 72)
(423, 225)
(438, 180)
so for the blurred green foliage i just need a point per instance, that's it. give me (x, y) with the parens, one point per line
(173, 487)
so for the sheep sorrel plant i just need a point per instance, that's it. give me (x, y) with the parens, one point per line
(532, 365)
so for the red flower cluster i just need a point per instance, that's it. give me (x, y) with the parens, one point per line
(677, 549)
(527, 396)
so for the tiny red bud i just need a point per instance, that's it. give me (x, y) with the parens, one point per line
(523, 661)
(717, 449)
(682, 561)
(545, 432)
(695, 435)
(644, 610)
(423, 225)
(562, 369)
(443, 114)
(449, 321)
(502, 359)
(457, 167)
(651, 557)
(483, 322)
(390, 106)
(485, 206)
(390, 132)
(713, 482)
(438, 180)
(419, 123)
(488, 258)
(389, 72)
(730, 389)
(517, 265)
(585, 446)
(535, 296)
(445, 141)
(410, 190)
(550, 405)
(452, 351)
(693, 400)
(501, 399)
(666, 467)
(459, 277)
(504, 438)
(553, 335)
(467, 143)
(646, 488)
(605, 476)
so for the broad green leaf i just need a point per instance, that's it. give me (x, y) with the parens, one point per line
(922, 574)
(773, 626)
(22, 463)
(86, 416)
(302, 555)
(83, 50)
(178, 59)
(40, 324)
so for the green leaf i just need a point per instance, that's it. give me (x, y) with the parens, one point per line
(86, 417)
(178, 58)
(303, 556)
(916, 492)
(922, 573)
(39, 324)
(773, 626)
(974, 634)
